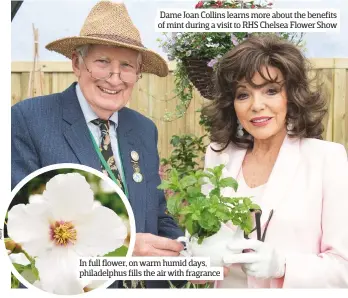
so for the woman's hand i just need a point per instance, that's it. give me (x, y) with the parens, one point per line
(261, 260)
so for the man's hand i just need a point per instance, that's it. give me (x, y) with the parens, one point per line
(155, 246)
(263, 261)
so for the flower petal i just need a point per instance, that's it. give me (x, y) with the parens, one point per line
(58, 271)
(28, 225)
(99, 233)
(69, 196)
(93, 284)
(36, 198)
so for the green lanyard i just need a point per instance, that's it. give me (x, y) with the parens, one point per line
(107, 167)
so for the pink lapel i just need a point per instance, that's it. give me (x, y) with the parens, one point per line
(281, 177)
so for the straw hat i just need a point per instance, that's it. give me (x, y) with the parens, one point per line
(109, 24)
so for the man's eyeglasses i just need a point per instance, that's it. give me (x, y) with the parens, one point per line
(104, 73)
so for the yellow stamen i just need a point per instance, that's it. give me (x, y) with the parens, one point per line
(63, 233)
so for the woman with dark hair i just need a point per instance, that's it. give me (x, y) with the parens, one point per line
(266, 127)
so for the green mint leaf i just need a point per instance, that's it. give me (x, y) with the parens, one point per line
(192, 226)
(207, 220)
(229, 182)
(204, 175)
(196, 215)
(218, 171)
(213, 181)
(173, 204)
(215, 192)
(187, 181)
(194, 191)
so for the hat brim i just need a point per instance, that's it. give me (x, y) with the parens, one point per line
(151, 61)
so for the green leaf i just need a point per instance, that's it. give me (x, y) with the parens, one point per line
(218, 171)
(19, 267)
(213, 181)
(165, 185)
(204, 175)
(229, 182)
(222, 216)
(173, 204)
(14, 282)
(35, 272)
(175, 140)
(30, 275)
(223, 213)
(207, 220)
(192, 226)
(215, 192)
(200, 239)
(196, 215)
(214, 199)
(120, 252)
(194, 191)
(187, 181)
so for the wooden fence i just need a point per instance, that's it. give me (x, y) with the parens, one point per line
(153, 96)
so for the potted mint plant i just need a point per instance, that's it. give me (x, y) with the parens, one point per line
(200, 206)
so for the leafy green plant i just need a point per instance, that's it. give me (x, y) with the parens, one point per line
(184, 158)
(200, 214)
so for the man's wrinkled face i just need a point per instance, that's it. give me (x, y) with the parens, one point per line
(106, 96)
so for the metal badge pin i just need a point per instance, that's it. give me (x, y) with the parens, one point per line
(135, 156)
(137, 176)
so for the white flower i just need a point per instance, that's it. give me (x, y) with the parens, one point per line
(93, 284)
(62, 226)
(36, 198)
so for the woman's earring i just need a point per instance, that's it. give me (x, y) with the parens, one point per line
(240, 131)
(290, 126)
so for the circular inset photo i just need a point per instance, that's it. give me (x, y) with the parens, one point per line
(59, 214)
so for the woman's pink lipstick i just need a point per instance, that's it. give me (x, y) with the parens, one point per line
(260, 121)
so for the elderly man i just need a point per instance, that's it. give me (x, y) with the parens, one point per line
(89, 124)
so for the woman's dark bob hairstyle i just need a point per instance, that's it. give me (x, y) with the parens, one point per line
(306, 108)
